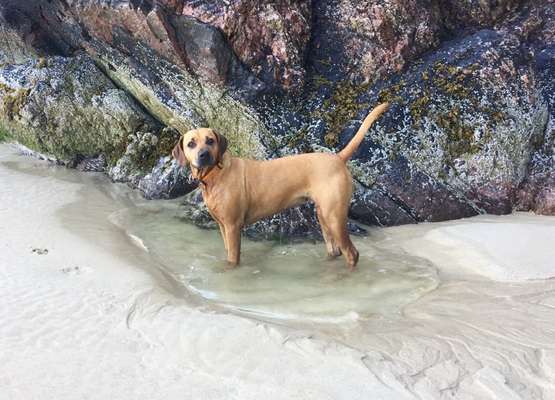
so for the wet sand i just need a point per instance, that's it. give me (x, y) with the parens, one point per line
(129, 302)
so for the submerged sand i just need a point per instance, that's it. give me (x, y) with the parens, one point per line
(105, 295)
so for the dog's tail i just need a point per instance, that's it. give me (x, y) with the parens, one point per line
(352, 146)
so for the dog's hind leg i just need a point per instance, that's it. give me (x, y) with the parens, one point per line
(331, 247)
(347, 247)
(336, 220)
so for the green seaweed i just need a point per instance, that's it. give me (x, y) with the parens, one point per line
(341, 107)
(297, 138)
(460, 136)
(114, 151)
(4, 135)
(164, 146)
(320, 80)
(5, 88)
(390, 94)
(419, 106)
(13, 101)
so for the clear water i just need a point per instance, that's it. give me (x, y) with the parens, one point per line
(277, 280)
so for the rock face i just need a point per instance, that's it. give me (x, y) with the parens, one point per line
(111, 85)
(270, 37)
(365, 40)
(68, 108)
(467, 121)
(537, 192)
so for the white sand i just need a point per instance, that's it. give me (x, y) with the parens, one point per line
(106, 331)
(109, 329)
(516, 247)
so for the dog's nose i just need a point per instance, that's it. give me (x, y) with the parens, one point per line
(203, 154)
(204, 158)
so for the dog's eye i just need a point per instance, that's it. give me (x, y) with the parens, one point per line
(209, 141)
(191, 145)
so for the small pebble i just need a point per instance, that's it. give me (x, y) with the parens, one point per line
(70, 270)
(40, 251)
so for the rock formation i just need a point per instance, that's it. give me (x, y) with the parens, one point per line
(109, 85)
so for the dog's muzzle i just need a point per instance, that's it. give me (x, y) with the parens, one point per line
(204, 159)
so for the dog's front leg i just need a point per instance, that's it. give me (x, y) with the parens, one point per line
(224, 238)
(233, 243)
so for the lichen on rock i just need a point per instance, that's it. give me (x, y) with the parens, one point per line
(466, 127)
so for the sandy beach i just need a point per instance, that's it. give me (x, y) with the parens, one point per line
(98, 304)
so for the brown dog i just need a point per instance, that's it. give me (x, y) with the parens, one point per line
(239, 192)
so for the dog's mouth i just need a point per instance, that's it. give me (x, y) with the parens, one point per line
(204, 162)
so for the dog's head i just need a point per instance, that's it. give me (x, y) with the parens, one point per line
(201, 148)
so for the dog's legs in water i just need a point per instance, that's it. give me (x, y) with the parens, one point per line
(331, 247)
(336, 220)
(222, 231)
(233, 243)
(347, 247)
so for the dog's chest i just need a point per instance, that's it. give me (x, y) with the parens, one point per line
(224, 206)
(211, 202)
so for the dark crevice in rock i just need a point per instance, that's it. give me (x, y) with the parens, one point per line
(101, 67)
(144, 5)
(391, 197)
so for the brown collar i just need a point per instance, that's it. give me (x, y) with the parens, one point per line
(202, 176)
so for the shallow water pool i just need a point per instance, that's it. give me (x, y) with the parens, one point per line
(277, 280)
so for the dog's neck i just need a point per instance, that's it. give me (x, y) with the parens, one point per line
(203, 175)
(208, 176)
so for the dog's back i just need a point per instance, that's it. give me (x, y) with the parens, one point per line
(288, 181)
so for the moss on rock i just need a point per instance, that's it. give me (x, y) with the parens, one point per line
(180, 101)
(68, 108)
(342, 106)
(4, 135)
(13, 101)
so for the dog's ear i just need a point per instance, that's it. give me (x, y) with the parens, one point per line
(178, 153)
(222, 144)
